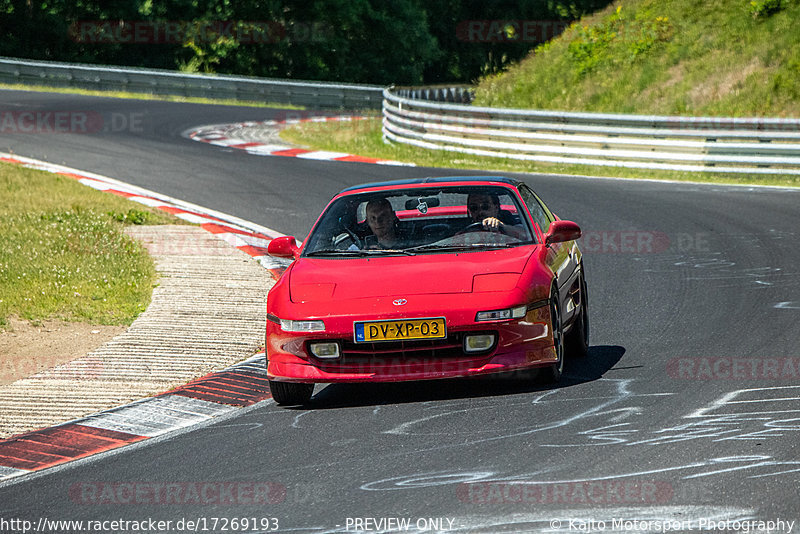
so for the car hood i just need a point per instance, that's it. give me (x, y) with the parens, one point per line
(316, 279)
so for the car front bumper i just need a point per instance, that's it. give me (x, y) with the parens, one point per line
(521, 344)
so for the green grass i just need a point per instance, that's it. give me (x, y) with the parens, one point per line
(148, 96)
(63, 254)
(682, 57)
(364, 138)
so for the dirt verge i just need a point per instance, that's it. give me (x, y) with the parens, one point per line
(28, 349)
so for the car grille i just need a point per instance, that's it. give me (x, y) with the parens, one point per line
(449, 347)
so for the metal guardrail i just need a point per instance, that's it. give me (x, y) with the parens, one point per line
(163, 82)
(418, 116)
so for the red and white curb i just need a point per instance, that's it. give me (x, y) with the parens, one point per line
(248, 237)
(227, 135)
(213, 395)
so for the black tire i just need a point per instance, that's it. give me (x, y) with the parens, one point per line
(552, 373)
(290, 393)
(577, 340)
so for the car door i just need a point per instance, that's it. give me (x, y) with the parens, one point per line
(561, 258)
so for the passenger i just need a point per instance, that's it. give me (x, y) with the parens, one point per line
(485, 208)
(383, 222)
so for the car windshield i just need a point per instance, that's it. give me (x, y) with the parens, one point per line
(420, 221)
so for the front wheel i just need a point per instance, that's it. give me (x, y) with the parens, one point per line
(291, 394)
(552, 373)
(577, 340)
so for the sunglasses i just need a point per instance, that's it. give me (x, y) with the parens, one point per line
(483, 207)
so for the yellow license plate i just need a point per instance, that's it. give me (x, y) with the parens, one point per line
(367, 332)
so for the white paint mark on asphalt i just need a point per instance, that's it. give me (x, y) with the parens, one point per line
(722, 406)
(296, 422)
(765, 461)
(9, 472)
(621, 393)
(427, 480)
(696, 470)
(405, 428)
(741, 415)
(604, 435)
(539, 398)
(157, 416)
(243, 426)
(624, 413)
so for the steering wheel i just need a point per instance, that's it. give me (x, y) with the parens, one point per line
(353, 236)
(474, 227)
(356, 241)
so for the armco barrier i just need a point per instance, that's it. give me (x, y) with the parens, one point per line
(426, 117)
(163, 82)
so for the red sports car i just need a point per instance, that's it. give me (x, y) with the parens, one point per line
(424, 279)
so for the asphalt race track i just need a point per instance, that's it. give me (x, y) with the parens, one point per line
(687, 409)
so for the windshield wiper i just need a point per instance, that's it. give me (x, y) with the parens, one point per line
(393, 251)
(337, 252)
(471, 246)
(360, 252)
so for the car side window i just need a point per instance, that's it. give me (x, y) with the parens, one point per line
(540, 216)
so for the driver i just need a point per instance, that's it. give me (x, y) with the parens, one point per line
(484, 208)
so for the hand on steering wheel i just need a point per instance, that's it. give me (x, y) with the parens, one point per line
(492, 224)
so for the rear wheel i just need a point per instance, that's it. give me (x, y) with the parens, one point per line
(577, 340)
(552, 373)
(291, 394)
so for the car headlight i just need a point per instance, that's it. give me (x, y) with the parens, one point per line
(499, 315)
(287, 325)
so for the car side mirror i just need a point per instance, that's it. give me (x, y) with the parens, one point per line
(561, 231)
(283, 247)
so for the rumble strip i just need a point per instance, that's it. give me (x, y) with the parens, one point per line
(216, 394)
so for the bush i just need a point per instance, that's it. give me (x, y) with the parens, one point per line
(133, 216)
(619, 39)
(760, 9)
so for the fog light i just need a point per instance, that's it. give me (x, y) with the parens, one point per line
(478, 343)
(324, 350)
